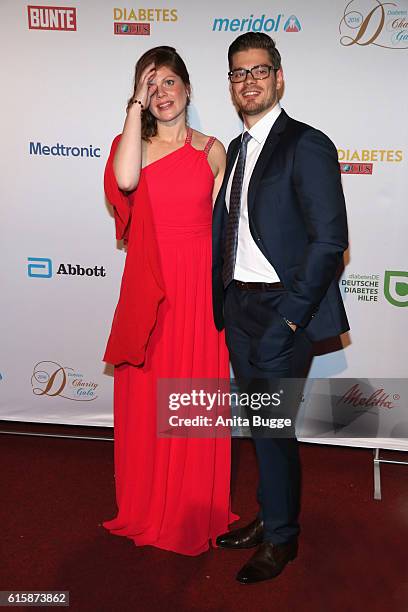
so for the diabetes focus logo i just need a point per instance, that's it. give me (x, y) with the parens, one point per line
(371, 22)
(52, 18)
(42, 267)
(262, 23)
(52, 379)
(136, 21)
(361, 161)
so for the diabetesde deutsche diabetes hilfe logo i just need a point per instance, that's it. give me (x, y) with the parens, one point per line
(136, 21)
(367, 287)
(62, 18)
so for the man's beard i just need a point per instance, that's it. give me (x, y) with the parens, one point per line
(255, 108)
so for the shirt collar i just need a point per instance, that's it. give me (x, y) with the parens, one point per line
(261, 129)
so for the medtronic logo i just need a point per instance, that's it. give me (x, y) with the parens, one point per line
(41, 267)
(60, 150)
(259, 24)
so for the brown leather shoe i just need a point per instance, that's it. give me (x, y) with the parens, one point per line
(245, 537)
(267, 562)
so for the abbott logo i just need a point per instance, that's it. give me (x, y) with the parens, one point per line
(39, 267)
(52, 18)
(396, 287)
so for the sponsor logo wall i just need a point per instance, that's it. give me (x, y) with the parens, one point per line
(68, 85)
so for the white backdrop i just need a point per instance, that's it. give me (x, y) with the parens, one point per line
(64, 94)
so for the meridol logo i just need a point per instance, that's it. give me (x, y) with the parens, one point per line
(396, 287)
(292, 24)
(52, 379)
(371, 22)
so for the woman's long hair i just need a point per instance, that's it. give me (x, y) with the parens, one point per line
(160, 56)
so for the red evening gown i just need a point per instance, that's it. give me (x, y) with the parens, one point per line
(173, 493)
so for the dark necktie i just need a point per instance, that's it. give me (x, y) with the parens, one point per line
(231, 242)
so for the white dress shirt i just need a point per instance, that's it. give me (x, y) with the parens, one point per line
(251, 264)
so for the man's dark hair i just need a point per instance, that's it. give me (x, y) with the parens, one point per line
(255, 40)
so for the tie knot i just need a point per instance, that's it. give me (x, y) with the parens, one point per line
(246, 138)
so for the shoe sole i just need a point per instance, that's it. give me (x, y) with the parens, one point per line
(238, 547)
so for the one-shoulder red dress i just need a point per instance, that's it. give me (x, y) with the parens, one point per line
(172, 493)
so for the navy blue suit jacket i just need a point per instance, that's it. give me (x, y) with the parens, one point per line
(297, 217)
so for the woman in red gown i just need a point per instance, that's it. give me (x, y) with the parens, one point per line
(161, 177)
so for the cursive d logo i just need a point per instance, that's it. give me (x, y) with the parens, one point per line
(379, 26)
(396, 287)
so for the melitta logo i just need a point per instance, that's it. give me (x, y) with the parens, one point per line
(51, 379)
(60, 150)
(52, 18)
(396, 287)
(371, 22)
(264, 23)
(379, 398)
(41, 267)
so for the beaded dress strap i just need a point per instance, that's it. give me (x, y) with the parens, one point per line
(209, 144)
(189, 136)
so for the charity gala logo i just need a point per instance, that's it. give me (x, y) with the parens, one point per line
(52, 18)
(54, 380)
(42, 267)
(396, 287)
(361, 161)
(60, 150)
(371, 22)
(262, 23)
(136, 21)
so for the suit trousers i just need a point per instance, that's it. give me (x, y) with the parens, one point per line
(263, 346)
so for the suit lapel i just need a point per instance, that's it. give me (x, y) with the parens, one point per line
(264, 157)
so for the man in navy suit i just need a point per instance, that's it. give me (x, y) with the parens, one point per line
(279, 233)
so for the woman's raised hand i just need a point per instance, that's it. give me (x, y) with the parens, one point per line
(145, 87)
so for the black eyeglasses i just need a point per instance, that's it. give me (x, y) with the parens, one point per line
(257, 72)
